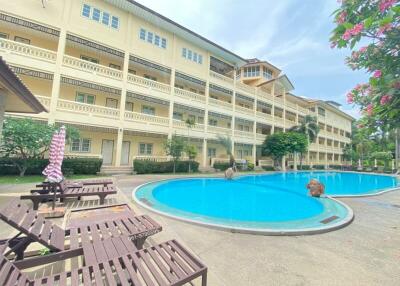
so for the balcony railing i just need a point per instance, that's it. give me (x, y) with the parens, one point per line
(146, 118)
(264, 116)
(261, 137)
(92, 67)
(28, 50)
(189, 95)
(244, 110)
(246, 88)
(221, 77)
(244, 134)
(87, 109)
(220, 103)
(182, 125)
(291, 104)
(44, 100)
(151, 84)
(218, 130)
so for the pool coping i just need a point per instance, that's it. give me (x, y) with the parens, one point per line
(260, 231)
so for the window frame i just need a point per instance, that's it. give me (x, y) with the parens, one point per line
(111, 100)
(108, 18)
(85, 96)
(148, 107)
(99, 16)
(22, 40)
(80, 148)
(146, 149)
(4, 35)
(114, 22)
(83, 10)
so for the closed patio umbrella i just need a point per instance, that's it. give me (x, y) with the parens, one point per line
(56, 155)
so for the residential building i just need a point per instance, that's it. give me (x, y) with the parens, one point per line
(128, 78)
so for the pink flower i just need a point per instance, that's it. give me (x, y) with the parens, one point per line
(357, 29)
(385, 99)
(347, 35)
(377, 74)
(362, 49)
(342, 17)
(383, 30)
(350, 98)
(369, 109)
(386, 4)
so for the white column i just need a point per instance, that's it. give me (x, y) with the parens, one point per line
(171, 103)
(254, 154)
(295, 155)
(3, 99)
(205, 163)
(283, 163)
(55, 90)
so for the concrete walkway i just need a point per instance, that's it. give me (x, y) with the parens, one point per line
(367, 252)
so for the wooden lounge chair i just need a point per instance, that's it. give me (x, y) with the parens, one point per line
(80, 183)
(37, 229)
(61, 191)
(168, 263)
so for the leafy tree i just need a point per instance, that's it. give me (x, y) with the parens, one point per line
(297, 143)
(190, 123)
(27, 139)
(191, 152)
(309, 127)
(383, 156)
(275, 146)
(174, 147)
(375, 23)
(226, 142)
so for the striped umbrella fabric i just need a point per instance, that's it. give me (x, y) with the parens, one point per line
(56, 156)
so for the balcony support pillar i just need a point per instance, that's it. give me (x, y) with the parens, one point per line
(118, 151)
(254, 154)
(55, 90)
(3, 98)
(204, 155)
(171, 104)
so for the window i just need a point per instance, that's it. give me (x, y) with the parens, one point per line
(96, 14)
(247, 128)
(81, 145)
(184, 52)
(193, 90)
(22, 40)
(189, 56)
(129, 106)
(228, 125)
(84, 98)
(117, 67)
(106, 18)
(321, 111)
(192, 117)
(164, 43)
(89, 59)
(267, 73)
(200, 119)
(115, 22)
(142, 34)
(111, 102)
(212, 122)
(150, 37)
(150, 77)
(148, 110)
(212, 152)
(157, 40)
(194, 56)
(252, 71)
(145, 148)
(86, 11)
(3, 36)
(178, 116)
(131, 71)
(240, 127)
(200, 59)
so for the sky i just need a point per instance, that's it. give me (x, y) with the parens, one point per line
(290, 34)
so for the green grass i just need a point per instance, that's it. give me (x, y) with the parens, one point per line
(35, 179)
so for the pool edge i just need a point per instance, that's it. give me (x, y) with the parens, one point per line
(270, 232)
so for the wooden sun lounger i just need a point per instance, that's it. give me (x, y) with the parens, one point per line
(37, 229)
(80, 183)
(62, 191)
(168, 263)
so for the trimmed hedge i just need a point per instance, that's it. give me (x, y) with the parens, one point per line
(268, 168)
(151, 167)
(336, 167)
(85, 166)
(319, 167)
(304, 167)
(222, 166)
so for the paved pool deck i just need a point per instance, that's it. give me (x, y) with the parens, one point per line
(367, 252)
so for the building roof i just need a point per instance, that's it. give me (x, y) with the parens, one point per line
(19, 98)
(157, 19)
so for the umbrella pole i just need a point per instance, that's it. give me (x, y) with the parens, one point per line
(54, 189)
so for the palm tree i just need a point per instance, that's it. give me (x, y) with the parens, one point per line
(226, 142)
(309, 127)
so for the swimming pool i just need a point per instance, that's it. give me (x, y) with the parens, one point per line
(274, 203)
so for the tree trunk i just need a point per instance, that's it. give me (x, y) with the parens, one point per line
(174, 166)
(301, 161)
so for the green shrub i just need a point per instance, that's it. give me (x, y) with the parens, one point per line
(151, 167)
(86, 166)
(250, 167)
(268, 168)
(304, 167)
(222, 166)
(319, 167)
(335, 167)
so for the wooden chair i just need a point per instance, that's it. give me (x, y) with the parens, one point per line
(33, 227)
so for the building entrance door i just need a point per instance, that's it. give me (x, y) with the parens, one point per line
(125, 152)
(107, 151)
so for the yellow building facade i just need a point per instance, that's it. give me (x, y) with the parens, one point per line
(128, 78)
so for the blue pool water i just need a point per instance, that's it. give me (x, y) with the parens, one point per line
(276, 201)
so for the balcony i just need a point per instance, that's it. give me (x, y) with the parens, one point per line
(244, 134)
(44, 100)
(93, 68)
(221, 78)
(87, 109)
(188, 95)
(181, 126)
(220, 104)
(27, 50)
(244, 110)
(149, 84)
(292, 105)
(219, 130)
(141, 117)
(246, 88)
(278, 120)
(264, 116)
(261, 137)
